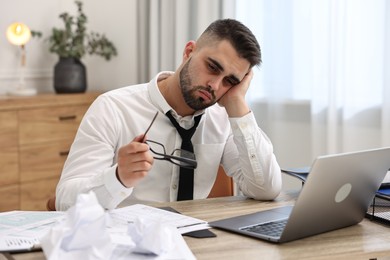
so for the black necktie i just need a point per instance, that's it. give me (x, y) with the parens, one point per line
(186, 177)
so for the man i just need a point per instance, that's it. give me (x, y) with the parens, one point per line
(110, 154)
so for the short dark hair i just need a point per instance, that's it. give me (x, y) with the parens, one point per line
(240, 36)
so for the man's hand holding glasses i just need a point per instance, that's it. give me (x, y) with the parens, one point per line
(135, 159)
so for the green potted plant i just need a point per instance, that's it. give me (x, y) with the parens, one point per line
(71, 43)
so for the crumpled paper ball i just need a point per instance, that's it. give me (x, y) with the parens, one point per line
(151, 237)
(81, 235)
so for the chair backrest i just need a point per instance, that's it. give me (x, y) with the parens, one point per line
(51, 204)
(223, 185)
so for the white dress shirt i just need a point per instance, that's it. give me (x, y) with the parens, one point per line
(116, 117)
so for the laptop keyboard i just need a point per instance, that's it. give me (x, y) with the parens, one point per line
(273, 229)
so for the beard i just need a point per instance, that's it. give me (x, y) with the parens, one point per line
(189, 92)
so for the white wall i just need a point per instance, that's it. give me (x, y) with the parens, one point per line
(116, 19)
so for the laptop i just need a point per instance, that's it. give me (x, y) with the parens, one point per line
(337, 194)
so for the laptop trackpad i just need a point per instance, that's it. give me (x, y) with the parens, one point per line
(254, 218)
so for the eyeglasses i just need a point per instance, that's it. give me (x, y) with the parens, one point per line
(178, 157)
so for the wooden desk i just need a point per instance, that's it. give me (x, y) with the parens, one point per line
(367, 240)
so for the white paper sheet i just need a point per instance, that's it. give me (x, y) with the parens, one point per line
(21, 230)
(128, 214)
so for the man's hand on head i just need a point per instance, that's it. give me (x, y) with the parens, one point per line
(234, 100)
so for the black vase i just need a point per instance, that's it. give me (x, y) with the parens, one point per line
(70, 76)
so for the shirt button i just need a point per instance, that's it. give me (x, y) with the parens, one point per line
(174, 186)
(253, 156)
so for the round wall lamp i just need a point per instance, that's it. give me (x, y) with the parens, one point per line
(19, 34)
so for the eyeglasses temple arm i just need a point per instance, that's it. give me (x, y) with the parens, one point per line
(189, 161)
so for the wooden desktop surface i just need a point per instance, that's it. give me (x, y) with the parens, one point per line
(367, 240)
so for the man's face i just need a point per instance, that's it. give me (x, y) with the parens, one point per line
(196, 97)
(209, 73)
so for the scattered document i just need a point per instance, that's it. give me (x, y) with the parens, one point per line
(86, 230)
(21, 230)
(18, 244)
(123, 216)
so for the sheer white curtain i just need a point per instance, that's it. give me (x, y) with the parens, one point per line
(349, 101)
(164, 27)
(323, 85)
(328, 59)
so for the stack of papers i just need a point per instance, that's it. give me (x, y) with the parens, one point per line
(21, 230)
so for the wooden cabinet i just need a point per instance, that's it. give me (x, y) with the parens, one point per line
(35, 136)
